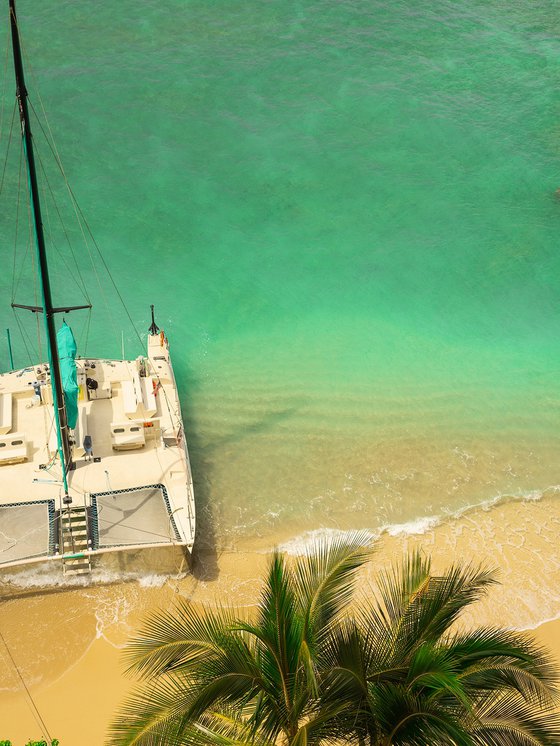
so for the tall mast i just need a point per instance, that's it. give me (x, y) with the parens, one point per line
(63, 435)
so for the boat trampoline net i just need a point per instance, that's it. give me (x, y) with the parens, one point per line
(130, 517)
(27, 530)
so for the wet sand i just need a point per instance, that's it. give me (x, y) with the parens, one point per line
(67, 645)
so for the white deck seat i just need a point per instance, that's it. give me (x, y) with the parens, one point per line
(148, 397)
(130, 400)
(5, 413)
(126, 436)
(13, 448)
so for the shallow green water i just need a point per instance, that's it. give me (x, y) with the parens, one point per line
(345, 214)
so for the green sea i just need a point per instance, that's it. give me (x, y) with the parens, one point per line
(345, 213)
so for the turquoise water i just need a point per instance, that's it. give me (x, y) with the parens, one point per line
(345, 214)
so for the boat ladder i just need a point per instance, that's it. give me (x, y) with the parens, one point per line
(74, 541)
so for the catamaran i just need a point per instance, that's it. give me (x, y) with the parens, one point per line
(93, 455)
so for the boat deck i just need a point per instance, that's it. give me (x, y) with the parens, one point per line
(131, 474)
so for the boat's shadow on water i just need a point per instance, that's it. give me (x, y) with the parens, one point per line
(204, 558)
(203, 562)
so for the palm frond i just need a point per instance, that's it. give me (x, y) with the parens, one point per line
(221, 729)
(433, 672)
(182, 637)
(417, 605)
(230, 688)
(324, 578)
(300, 738)
(495, 677)
(150, 715)
(449, 595)
(346, 662)
(279, 630)
(307, 663)
(175, 713)
(401, 584)
(509, 719)
(407, 719)
(488, 643)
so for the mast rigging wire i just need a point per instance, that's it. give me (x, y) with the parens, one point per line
(31, 702)
(5, 78)
(23, 334)
(8, 148)
(56, 158)
(81, 284)
(14, 284)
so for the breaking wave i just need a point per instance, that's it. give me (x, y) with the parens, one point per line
(303, 543)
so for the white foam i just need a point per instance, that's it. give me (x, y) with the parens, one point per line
(532, 627)
(111, 613)
(43, 576)
(305, 543)
(157, 581)
(504, 497)
(413, 528)
(51, 576)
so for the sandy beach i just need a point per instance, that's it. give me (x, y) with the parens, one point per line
(65, 646)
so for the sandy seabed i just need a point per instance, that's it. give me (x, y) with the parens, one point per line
(61, 650)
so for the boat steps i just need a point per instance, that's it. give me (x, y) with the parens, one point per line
(74, 542)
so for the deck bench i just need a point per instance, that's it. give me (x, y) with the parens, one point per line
(126, 436)
(5, 413)
(13, 448)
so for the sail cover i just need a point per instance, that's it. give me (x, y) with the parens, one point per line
(67, 353)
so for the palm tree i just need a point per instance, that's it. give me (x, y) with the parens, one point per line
(395, 670)
(410, 676)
